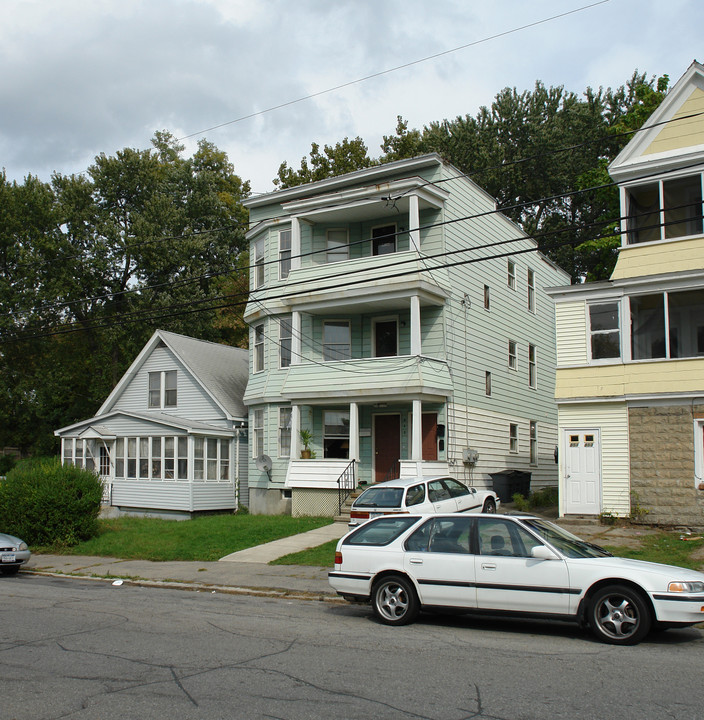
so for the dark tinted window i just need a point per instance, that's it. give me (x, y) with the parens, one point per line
(455, 488)
(380, 497)
(415, 495)
(381, 531)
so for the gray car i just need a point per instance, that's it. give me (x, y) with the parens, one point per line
(13, 554)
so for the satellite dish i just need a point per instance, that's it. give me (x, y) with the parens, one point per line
(263, 463)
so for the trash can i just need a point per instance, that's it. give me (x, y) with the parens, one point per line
(509, 482)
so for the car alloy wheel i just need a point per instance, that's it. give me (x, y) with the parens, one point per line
(489, 506)
(394, 600)
(619, 615)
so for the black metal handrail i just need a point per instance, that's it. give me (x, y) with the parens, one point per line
(346, 484)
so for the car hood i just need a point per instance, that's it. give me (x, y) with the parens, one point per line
(626, 566)
(9, 539)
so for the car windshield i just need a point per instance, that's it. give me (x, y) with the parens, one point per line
(380, 497)
(567, 543)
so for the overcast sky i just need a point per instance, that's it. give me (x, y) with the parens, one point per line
(81, 77)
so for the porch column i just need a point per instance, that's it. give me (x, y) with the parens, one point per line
(295, 432)
(295, 337)
(295, 243)
(415, 326)
(413, 223)
(417, 431)
(354, 431)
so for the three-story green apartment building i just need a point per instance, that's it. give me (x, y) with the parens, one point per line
(401, 322)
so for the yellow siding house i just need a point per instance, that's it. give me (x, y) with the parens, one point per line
(630, 351)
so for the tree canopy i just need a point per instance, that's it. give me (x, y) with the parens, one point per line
(91, 265)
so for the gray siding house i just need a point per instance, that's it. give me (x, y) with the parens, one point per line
(401, 321)
(172, 436)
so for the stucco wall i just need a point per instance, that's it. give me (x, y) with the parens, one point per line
(662, 465)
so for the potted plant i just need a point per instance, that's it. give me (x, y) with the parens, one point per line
(306, 437)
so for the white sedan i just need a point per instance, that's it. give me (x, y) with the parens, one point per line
(510, 565)
(421, 495)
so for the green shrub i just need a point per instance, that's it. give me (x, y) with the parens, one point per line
(540, 498)
(7, 462)
(46, 503)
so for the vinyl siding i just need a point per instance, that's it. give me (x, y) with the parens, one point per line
(611, 419)
(681, 133)
(668, 256)
(571, 326)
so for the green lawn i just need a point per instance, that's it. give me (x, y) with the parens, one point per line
(667, 548)
(209, 537)
(320, 556)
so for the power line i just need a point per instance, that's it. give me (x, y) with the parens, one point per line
(393, 69)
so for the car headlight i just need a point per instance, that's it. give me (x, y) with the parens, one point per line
(686, 587)
(22, 546)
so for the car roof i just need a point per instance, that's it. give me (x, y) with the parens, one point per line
(406, 481)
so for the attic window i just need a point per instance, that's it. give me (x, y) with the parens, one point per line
(162, 389)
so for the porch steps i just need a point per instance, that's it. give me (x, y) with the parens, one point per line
(344, 515)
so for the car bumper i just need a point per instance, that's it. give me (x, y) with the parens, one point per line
(679, 607)
(14, 558)
(353, 584)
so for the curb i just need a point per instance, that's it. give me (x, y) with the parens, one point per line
(281, 593)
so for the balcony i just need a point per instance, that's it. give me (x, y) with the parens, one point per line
(368, 379)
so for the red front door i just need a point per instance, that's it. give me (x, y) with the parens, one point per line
(430, 434)
(387, 445)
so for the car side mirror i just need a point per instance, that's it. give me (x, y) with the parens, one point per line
(542, 552)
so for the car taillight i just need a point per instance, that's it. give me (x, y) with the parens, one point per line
(359, 515)
(338, 558)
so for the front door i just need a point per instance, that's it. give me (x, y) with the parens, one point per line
(582, 479)
(387, 446)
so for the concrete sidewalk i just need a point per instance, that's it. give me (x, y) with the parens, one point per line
(247, 571)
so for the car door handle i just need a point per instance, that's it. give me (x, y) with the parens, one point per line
(488, 566)
(416, 561)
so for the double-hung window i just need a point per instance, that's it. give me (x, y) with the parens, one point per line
(259, 263)
(285, 331)
(259, 348)
(284, 432)
(284, 254)
(512, 355)
(337, 245)
(533, 442)
(258, 432)
(531, 290)
(532, 367)
(511, 273)
(605, 331)
(163, 391)
(336, 434)
(513, 437)
(337, 342)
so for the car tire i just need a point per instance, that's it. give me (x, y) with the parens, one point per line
(489, 506)
(394, 600)
(11, 570)
(619, 615)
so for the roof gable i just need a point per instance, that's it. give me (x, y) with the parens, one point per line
(672, 137)
(220, 370)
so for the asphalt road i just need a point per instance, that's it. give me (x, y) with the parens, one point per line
(79, 649)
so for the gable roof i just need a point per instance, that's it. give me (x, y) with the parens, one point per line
(221, 370)
(672, 137)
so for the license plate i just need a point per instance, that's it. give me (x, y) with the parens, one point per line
(8, 557)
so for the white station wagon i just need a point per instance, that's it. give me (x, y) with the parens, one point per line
(421, 495)
(510, 565)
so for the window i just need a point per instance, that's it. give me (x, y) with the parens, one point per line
(211, 462)
(511, 267)
(285, 328)
(338, 247)
(513, 437)
(605, 332)
(284, 432)
(665, 209)
(336, 434)
(131, 457)
(182, 458)
(336, 340)
(224, 460)
(258, 348)
(259, 263)
(385, 338)
(503, 537)
(532, 367)
(163, 385)
(487, 298)
(531, 290)
(415, 495)
(156, 457)
(512, 355)
(384, 240)
(487, 383)
(284, 254)
(442, 535)
(533, 442)
(143, 458)
(119, 457)
(169, 460)
(198, 458)
(258, 437)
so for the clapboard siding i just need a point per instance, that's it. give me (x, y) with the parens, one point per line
(571, 327)
(611, 419)
(192, 401)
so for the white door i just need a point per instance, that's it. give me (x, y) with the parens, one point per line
(582, 480)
